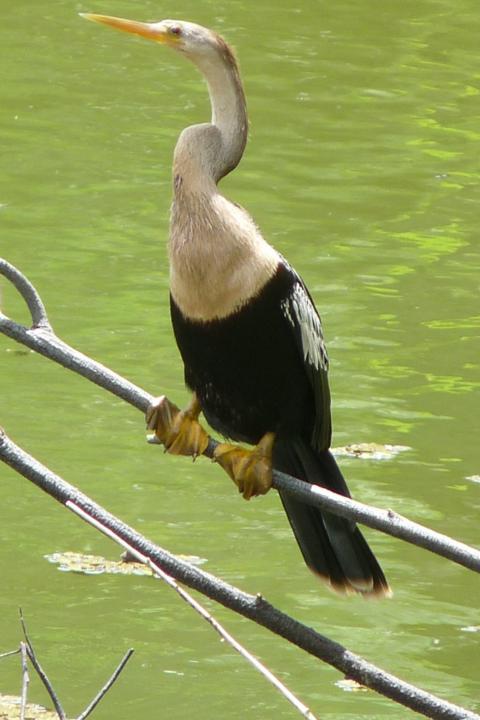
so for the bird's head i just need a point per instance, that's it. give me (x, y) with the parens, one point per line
(194, 41)
(219, 149)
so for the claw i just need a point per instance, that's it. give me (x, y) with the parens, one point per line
(160, 416)
(250, 470)
(178, 430)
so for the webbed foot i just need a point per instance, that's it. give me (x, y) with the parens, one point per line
(250, 470)
(178, 430)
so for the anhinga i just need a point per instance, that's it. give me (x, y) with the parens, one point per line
(247, 329)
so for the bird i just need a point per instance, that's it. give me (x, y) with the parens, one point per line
(247, 329)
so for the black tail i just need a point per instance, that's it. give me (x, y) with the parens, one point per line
(332, 547)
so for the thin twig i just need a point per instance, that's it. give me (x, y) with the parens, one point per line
(250, 606)
(301, 707)
(45, 342)
(10, 652)
(40, 671)
(25, 680)
(27, 649)
(93, 704)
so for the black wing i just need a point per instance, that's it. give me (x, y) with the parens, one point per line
(305, 321)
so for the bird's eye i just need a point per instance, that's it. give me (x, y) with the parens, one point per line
(175, 30)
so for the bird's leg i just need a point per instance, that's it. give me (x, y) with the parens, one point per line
(178, 430)
(250, 470)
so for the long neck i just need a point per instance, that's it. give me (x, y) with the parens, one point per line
(229, 109)
(206, 153)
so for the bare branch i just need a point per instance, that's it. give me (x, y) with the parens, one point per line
(27, 650)
(301, 707)
(46, 343)
(41, 672)
(387, 521)
(250, 606)
(93, 704)
(28, 293)
(25, 680)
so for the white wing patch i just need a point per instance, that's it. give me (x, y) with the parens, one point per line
(302, 316)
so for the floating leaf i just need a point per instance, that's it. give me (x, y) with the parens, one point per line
(97, 565)
(370, 451)
(10, 710)
(350, 685)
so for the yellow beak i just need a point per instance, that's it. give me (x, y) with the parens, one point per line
(151, 31)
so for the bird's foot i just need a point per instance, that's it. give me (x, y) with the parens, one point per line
(178, 430)
(250, 470)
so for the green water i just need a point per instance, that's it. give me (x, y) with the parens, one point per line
(362, 168)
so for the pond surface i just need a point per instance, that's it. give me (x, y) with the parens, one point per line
(362, 168)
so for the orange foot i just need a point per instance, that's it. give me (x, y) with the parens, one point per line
(250, 470)
(178, 430)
